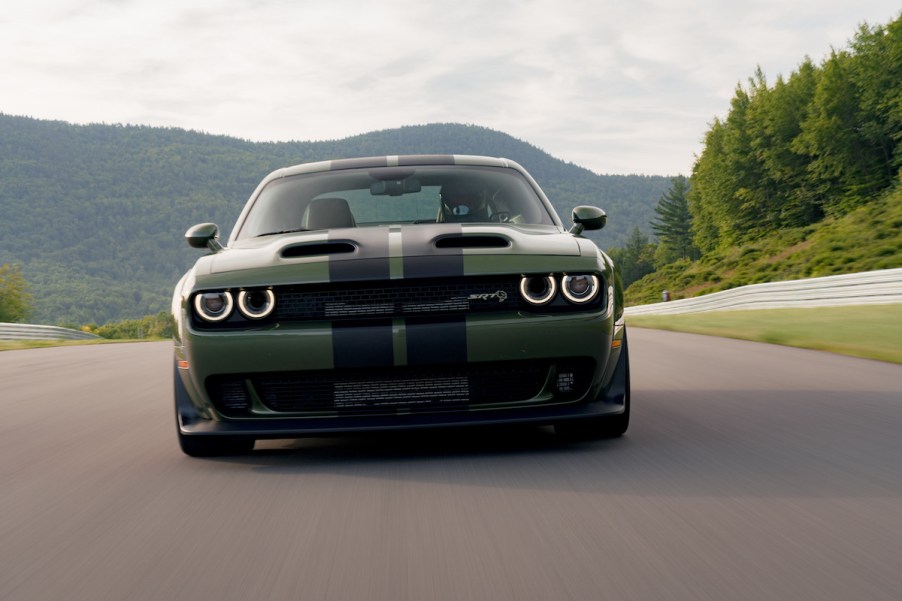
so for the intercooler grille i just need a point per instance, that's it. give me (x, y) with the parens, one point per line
(401, 393)
(433, 388)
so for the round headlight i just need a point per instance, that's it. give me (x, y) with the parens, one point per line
(213, 306)
(256, 304)
(538, 290)
(579, 288)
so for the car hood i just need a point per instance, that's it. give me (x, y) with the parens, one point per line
(391, 251)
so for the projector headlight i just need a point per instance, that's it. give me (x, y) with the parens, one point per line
(214, 306)
(256, 304)
(538, 290)
(579, 289)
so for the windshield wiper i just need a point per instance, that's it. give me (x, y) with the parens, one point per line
(291, 231)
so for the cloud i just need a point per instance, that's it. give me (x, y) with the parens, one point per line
(616, 87)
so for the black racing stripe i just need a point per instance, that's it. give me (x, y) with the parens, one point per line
(369, 262)
(433, 341)
(358, 270)
(423, 260)
(363, 344)
(425, 159)
(442, 266)
(362, 163)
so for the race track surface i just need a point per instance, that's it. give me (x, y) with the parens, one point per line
(750, 472)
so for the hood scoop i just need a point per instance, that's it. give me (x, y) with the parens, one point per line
(318, 249)
(479, 241)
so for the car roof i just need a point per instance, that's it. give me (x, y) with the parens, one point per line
(407, 160)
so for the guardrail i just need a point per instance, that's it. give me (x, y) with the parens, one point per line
(24, 331)
(870, 287)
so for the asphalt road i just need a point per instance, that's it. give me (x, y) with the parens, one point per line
(750, 472)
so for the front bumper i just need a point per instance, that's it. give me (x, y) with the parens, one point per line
(478, 340)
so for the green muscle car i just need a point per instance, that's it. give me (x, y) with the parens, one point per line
(397, 292)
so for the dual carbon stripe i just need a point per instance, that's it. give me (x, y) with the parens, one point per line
(419, 341)
(426, 341)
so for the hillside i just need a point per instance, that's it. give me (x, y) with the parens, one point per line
(868, 238)
(95, 215)
(803, 177)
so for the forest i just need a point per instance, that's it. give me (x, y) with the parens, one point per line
(95, 215)
(802, 178)
(819, 143)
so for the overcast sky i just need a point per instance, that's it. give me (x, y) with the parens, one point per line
(617, 86)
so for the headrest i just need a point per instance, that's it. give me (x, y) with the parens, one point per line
(328, 213)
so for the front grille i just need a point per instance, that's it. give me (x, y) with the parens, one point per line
(447, 297)
(411, 389)
(404, 299)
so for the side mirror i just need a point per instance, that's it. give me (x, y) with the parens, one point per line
(204, 235)
(587, 218)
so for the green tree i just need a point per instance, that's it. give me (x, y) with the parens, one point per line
(709, 188)
(636, 259)
(849, 130)
(727, 199)
(877, 70)
(673, 225)
(15, 301)
(820, 143)
(777, 114)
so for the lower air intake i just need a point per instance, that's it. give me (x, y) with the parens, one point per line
(230, 396)
(436, 388)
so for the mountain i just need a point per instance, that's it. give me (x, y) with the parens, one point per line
(95, 214)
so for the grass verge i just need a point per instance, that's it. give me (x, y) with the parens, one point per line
(868, 331)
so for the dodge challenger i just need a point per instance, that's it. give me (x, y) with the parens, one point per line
(397, 292)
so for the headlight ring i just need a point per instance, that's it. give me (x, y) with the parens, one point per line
(214, 306)
(256, 304)
(580, 289)
(538, 290)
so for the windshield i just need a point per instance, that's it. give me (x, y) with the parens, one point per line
(394, 195)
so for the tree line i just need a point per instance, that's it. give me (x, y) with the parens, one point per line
(820, 143)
